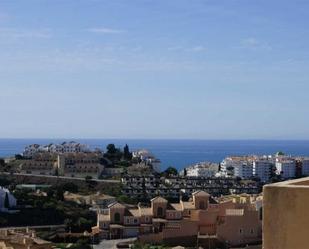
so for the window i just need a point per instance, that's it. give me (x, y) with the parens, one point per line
(135, 221)
(117, 217)
(251, 230)
(160, 211)
(240, 231)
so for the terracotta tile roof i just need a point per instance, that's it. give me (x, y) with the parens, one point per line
(177, 206)
(135, 212)
(158, 199)
(200, 193)
(116, 205)
(188, 205)
(145, 211)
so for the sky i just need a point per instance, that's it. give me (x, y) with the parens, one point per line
(184, 69)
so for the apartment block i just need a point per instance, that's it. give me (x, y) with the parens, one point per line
(262, 168)
(286, 167)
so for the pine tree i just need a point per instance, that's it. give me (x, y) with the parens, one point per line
(126, 153)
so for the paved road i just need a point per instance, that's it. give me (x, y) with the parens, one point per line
(62, 177)
(111, 244)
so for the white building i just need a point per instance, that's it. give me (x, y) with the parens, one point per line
(65, 147)
(243, 170)
(305, 166)
(238, 166)
(147, 157)
(262, 168)
(73, 147)
(286, 167)
(12, 201)
(32, 149)
(203, 169)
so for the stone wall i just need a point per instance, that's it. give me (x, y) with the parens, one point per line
(30, 179)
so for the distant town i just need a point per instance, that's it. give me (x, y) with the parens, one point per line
(70, 196)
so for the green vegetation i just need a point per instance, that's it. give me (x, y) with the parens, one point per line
(170, 171)
(126, 199)
(127, 155)
(118, 157)
(19, 157)
(49, 210)
(280, 153)
(4, 182)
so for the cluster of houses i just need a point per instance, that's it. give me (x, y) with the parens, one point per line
(65, 147)
(70, 164)
(264, 167)
(146, 157)
(233, 220)
(252, 167)
(202, 169)
(77, 160)
(143, 187)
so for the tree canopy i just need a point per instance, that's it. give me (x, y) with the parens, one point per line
(170, 171)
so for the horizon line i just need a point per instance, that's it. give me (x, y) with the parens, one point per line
(192, 139)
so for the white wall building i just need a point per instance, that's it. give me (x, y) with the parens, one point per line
(262, 169)
(286, 167)
(305, 166)
(203, 169)
(32, 149)
(238, 166)
(243, 170)
(65, 147)
(11, 198)
(147, 157)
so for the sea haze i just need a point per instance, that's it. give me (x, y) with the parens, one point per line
(177, 153)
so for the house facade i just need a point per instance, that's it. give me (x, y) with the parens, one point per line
(202, 215)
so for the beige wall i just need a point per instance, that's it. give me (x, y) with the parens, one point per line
(200, 202)
(112, 213)
(156, 205)
(286, 215)
(242, 229)
(186, 228)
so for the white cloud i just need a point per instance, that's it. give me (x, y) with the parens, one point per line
(187, 49)
(197, 49)
(175, 48)
(253, 43)
(106, 31)
(18, 33)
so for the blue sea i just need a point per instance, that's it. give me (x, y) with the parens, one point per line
(177, 153)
